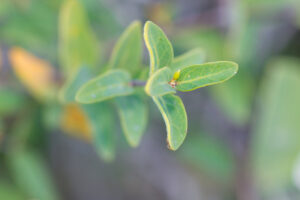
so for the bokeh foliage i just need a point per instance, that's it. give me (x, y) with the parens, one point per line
(55, 47)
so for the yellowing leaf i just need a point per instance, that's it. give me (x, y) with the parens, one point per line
(35, 73)
(75, 122)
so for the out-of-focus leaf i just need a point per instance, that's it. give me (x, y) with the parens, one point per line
(75, 122)
(52, 113)
(111, 84)
(102, 18)
(235, 97)
(10, 101)
(174, 115)
(298, 16)
(133, 113)
(268, 6)
(128, 50)
(9, 192)
(210, 155)
(78, 44)
(102, 124)
(38, 22)
(1, 132)
(161, 13)
(132, 109)
(276, 138)
(206, 74)
(192, 57)
(158, 83)
(144, 73)
(36, 74)
(1, 60)
(24, 129)
(159, 47)
(5, 4)
(68, 92)
(30, 173)
(210, 40)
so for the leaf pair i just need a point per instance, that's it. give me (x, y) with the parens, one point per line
(115, 84)
(167, 74)
(184, 73)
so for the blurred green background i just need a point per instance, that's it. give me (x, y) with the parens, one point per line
(243, 140)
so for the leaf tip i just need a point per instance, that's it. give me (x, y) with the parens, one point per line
(78, 96)
(133, 143)
(136, 23)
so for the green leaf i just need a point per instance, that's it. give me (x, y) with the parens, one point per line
(158, 83)
(111, 84)
(78, 45)
(10, 192)
(209, 39)
(235, 97)
(276, 139)
(37, 36)
(32, 176)
(211, 155)
(206, 74)
(102, 124)
(193, 57)
(173, 112)
(68, 92)
(133, 115)
(10, 101)
(143, 74)
(127, 53)
(159, 47)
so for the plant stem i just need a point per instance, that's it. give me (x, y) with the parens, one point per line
(138, 83)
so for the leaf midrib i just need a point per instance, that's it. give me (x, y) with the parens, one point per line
(202, 77)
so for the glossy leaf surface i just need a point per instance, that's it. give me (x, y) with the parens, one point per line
(158, 83)
(174, 115)
(206, 74)
(159, 47)
(108, 85)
